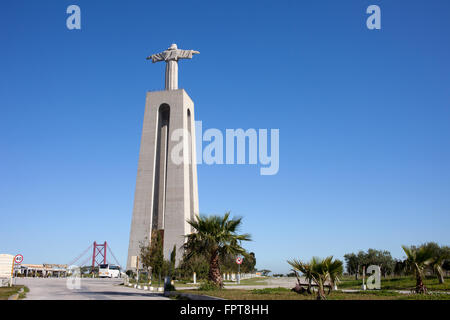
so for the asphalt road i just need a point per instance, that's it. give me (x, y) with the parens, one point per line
(89, 289)
(110, 289)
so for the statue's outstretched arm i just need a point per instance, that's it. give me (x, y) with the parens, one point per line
(186, 54)
(156, 57)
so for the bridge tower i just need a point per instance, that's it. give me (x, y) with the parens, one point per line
(99, 252)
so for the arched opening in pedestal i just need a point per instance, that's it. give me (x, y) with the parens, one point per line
(160, 182)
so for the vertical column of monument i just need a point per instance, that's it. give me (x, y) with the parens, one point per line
(141, 223)
(193, 186)
(180, 177)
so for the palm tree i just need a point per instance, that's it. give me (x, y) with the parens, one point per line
(305, 269)
(436, 264)
(417, 259)
(335, 269)
(215, 237)
(320, 271)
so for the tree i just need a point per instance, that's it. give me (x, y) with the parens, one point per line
(228, 263)
(437, 263)
(145, 254)
(198, 264)
(152, 255)
(305, 269)
(400, 267)
(291, 274)
(173, 256)
(216, 237)
(382, 259)
(352, 264)
(356, 262)
(249, 262)
(446, 263)
(157, 254)
(265, 272)
(440, 255)
(320, 271)
(338, 269)
(417, 259)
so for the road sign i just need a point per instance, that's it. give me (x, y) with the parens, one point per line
(18, 258)
(239, 260)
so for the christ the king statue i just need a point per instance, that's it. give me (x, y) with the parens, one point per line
(171, 57)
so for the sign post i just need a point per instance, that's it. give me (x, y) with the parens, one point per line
(239, 261)
(18, 259)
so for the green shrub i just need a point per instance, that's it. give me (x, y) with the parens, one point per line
(208, 286)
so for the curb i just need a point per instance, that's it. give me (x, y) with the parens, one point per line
(145, 288)
(188, 296)
(14, 297)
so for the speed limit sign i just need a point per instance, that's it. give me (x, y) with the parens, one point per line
(239, 260)
(18, 258)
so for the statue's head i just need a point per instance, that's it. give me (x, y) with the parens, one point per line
(173, 47)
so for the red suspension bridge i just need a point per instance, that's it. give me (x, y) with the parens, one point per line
(96, 253)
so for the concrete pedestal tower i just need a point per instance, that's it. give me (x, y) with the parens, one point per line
(166, 192)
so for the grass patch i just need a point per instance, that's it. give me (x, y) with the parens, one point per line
(249, 282)
(270, 290)
(181, 285)
(6, 292)
(245, 282)
(286, 294)
(398, 283)
(283, 294)
(434, 296)
(23, 294)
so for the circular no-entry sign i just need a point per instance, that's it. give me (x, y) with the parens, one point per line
(239, 260)
(18, 258)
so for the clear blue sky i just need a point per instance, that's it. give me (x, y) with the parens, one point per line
(363, 116)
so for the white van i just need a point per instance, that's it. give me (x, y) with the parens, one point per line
(108, 271)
